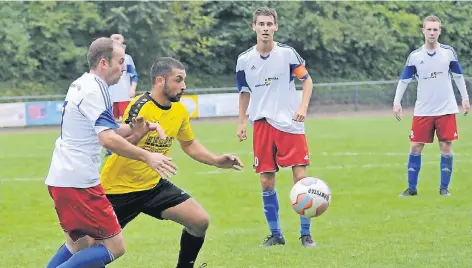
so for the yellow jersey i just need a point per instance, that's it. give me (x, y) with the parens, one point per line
(123, 175)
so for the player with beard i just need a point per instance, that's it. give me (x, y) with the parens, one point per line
(133, 188)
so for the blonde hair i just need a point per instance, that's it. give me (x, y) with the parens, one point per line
(431, 18)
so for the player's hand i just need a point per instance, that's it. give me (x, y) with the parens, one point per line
(242, 132)
(229, 161)
(161, 164)
(465, 106)
(142, 127)
(300, 114)
(397, 109)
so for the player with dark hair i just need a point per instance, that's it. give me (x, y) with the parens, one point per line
(133, 188)
(265, 75)
(73, 179)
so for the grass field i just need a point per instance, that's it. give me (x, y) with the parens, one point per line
(368, 225)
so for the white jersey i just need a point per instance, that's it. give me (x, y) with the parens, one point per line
(120, 91)
(270, 81)
(433, 70)
(87, 111)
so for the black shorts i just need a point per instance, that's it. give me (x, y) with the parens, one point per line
(151, 202)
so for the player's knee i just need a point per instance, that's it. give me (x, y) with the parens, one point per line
(445, 147)
(116, 245)
(268, 181)
(203, 222)
(416, 147)
(200, 224)
(299, 172)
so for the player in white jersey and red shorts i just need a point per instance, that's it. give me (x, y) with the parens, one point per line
(435, 110)
(265, 76)
(85, 214)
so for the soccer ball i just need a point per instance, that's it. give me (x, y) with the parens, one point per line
(310, 197)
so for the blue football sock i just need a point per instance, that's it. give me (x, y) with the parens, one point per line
(304, 225)
(446, 170)
(61, 256)
(414, 166)
(92, 257)
(271, 210)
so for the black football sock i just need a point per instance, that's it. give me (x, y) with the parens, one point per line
(189, 247)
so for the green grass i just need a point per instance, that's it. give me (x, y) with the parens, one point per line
(367, 225)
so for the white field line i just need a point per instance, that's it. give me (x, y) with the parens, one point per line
(312, 167)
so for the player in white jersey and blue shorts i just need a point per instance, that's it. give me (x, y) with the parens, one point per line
(265, 75)
(73, 180)
(435, 110)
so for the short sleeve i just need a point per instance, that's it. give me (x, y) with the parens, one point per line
(96, 107)
(131, 69)
(454, 64)
(241, 81)
(297, 64)
(185, 131)
(410, 69)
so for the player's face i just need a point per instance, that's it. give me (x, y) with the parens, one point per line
(431, 31)
(116, 66)
(265, 27)
(174, 85)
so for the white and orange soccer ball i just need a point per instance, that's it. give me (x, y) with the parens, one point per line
(310, 197)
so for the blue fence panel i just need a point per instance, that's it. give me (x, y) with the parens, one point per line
(43, 113)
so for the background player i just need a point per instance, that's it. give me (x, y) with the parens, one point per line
(265, 75)
(133, 188)
(73, 179)
(432, 64)
(122, 92)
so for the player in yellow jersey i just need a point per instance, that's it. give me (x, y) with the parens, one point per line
(133, 188)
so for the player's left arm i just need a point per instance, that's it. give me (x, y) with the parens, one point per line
(298, 68)
(131, 69)
(197, 151)
(458, 76)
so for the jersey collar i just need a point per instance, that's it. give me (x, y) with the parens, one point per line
(431, 53)
(266, 57)
(98, 78)
(162, 107)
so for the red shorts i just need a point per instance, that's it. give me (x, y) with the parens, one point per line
(85, 212)
(119, 108)
(423, 128)
(273, 147)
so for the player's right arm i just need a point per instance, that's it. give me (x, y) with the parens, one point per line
(96, 107)
(119, 145)
(405, 78)
(244, 98)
